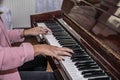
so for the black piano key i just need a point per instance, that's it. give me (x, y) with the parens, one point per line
(81, 53)
(86, 62)
(92, 71)
(72, 46)
(87, 65)
(94, 75)
(79, 56)
(66, 42)
(50, 23)
(57, 30)
(101, 78)
(53, 24)
(54, 28)
(60, 33)
(75, 55)
(83, 56)
(78, 51)
(62, 37)
(57, 34)
(88, 68)
(80, 59)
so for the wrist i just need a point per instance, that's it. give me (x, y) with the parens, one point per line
(35, 50)
(23, 34)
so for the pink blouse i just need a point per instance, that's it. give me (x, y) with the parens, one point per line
(12, 57)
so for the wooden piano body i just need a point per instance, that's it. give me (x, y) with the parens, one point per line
(92, 25)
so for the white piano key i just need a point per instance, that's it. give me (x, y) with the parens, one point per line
(49, 37)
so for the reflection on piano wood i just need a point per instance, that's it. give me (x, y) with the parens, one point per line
(81, 27)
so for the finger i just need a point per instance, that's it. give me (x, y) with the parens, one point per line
(48, 30)
(58, 57)
(44, 31)
(62, 53)
(67, 50)
(54, 54)
(41, 31)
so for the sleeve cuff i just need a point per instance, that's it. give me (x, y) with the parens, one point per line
(29, 51)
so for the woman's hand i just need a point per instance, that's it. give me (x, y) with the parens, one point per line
(36, 31)
(53, 51)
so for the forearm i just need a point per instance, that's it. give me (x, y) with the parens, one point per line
(16, 35)
(13, 57)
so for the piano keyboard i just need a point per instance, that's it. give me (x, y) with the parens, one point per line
(80, 66)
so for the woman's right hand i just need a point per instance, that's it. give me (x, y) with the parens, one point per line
(53, 51)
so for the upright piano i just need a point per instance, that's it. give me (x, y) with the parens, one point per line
(92, 29)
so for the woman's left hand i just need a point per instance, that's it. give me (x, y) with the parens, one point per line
(36, 31)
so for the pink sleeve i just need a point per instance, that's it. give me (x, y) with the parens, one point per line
(14, 35)
(13, 57)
